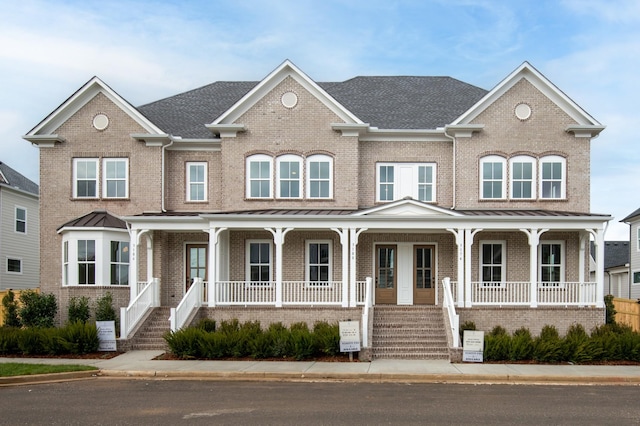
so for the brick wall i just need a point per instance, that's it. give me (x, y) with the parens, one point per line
(285, 315)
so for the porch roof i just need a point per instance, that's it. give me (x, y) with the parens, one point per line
(95, 219)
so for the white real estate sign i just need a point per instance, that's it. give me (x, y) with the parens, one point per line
(349, 336)
(106, 335)
(473, 346)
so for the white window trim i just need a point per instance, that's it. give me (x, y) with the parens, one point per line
(563, 181)
(307, 274)
(248, 263)
(563, 264)
(503, 265)
(105, 179)
(119, 263)
(259, 158)
(534, 185)
(189, 164)
(6, 265)
(75, 177)
(319, 158)
(289, 158)
(493, 159)
(636, 271)
(413, 184)
(16, 220)
(102, 240)
(638, 238)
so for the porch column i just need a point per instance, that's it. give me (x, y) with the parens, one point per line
(459, 234)
(534, 240)
(133, 264)
(599, 242)
(344, 241)
(468, 243)
(213, 265)
(354, 235)
(581, 265)
(149, 255)
(278, 241)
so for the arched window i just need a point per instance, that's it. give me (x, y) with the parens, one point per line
(553, 180)
(492, 177)
(289, 176)
(259, 181)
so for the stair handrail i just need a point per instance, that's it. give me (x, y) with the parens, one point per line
(192, 300)
(147, 299)
(368, 304)
(448, 304)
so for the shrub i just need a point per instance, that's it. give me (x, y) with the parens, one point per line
(207, 325)
(185, 343)
(575, 345)
(10, 305)
(326, 338)
(548, 346)
(31, 342)
(521, 346)
(280, 339)
(79, 338)
(212, 345)
(9, 337)
(38, 310)
(79, 309)
(497, 344)
(301, 341)
(467, 325)
(610, 309)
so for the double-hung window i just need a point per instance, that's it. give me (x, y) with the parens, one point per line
(119, 263)
(95, 258)
(289, 176)
(492, 177)
(86, 262)
(259, 173)
(552, 177)
(85, 177)
(398, 180)
(551, 263)
(116, 175)
(319, 262)
(196, 181)
(21, 220)
(523, 177)
(492, 263)
(259, 262)
(319, 176)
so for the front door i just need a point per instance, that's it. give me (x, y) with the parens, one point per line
(386, 274)
(196, 263)
(423, 275)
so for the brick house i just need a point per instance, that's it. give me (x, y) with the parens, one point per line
(373, 199)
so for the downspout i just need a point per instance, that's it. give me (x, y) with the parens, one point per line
(453, 139)
(164, 148)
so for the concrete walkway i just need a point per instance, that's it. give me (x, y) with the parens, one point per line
(140, 364)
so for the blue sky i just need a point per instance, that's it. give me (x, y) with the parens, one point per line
(148, 50)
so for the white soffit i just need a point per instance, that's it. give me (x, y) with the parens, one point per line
(407, 207)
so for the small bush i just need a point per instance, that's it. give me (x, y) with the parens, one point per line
(497, 344)
(185, 343)
(31, 342)
(467, 325)
(575, 345)
(79, 309)
(10, 305)
(9, 337)
(326, 338)
(280, 339)
(79, 338)
(301, 341)
(521, 346)
(548, 347)
(610, 309)
(207, 325)
(38, 310)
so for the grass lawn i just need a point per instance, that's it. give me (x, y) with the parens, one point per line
(19, 369)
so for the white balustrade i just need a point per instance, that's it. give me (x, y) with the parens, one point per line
(449, 305)
(148, 298)
(191, 300)
(547, 294)
(361, 292)
(311, 293)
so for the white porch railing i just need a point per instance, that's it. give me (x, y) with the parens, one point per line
(567, 293)
(361, 292)
(192, 300)
(503, 294)
(366, 309)
(519, 294)
(448, 304)
(306, 293)
(148, 298)
(264, 293)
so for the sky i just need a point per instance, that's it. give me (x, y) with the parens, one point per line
(149, 50)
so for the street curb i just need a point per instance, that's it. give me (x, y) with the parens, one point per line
(48, 378)
(372, 378)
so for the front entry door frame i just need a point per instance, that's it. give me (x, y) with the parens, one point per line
(195, 265)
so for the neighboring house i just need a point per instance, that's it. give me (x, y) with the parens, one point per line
(616, 268)
(633, 220)
(281, 200)
(19, 231)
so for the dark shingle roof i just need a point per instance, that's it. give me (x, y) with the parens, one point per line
(616, 253)
(16, 180)
(383, 102)
(631, 216)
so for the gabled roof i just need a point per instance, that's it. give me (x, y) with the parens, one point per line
(13, 179)
(95, 219)
(631, 216)
(407, 207)
(79, 99)
(398, 102)
(616, 253)
(533, 76)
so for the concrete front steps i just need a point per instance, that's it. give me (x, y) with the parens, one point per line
(409, 332)
(149, 335)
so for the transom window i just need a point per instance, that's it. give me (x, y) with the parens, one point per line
(522, 177)
(398, 180)
(259, 182)
(289, 175)
(492, 177)
(551, 263)
(319, 262)
(319, 176)
(196, 181)
(492, 263)
(21, 220)
(259, 262)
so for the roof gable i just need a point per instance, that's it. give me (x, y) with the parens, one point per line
(526, 71)
(13, 179)
(407, 207)
(286, 69)
(78, 100)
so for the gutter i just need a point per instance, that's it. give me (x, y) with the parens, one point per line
(162, 173)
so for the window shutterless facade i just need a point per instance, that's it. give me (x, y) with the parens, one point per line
(492, 178)
(196, 181)
(21, 220)
(318, 271)
(259, 176)
(395, 181)
(493, 263)
(552, 263)
(319, 176)
(523, 177)
(85, 177)
(289, 176)
(119, 273)
(116, 178)
(552, 177)
(259, 262)
(14, 265)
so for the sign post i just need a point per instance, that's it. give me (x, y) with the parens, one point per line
(349, 337)
(473, 346)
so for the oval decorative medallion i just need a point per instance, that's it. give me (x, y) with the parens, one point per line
(100, 122)
(523, 111)
(289, 100)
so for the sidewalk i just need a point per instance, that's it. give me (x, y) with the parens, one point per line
(140, 364)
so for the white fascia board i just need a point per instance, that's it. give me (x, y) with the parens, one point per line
(286, 69)
(166, 223)
(528, 72)
(180, 144)
(44, 141)
(80, 98)
(404, 135)
(428, 208)
(90, 229)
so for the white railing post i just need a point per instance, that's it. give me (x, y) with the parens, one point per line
(368, 303)
(454, 319)
(123, 323)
